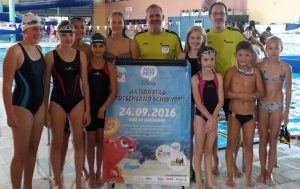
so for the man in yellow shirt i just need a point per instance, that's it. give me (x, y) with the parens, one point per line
(224, 40)
(155, 42)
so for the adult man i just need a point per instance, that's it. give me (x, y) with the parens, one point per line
(224, 40)
(155, 42)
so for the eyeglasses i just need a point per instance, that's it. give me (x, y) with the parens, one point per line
(76, 18)
(208, 52)
(66, 29)
(221, 14)
(33, 22)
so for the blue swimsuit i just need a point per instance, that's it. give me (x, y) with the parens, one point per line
(29, 83)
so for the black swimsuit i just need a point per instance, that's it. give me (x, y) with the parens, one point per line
(208, 90)
(195, 64)
(66, 82)
(99, 91)
(29, 83)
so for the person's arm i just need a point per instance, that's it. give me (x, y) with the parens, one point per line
(220, 96)
(259, 44)
(49, 59)
(113, 90)
(181, 56)
(10, 65)
(178, 47)
(227, 81)
(260, 91)
(135, 51)
(85, 88)
(288, 93)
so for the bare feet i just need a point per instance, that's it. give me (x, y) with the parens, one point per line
(237, 172)
(215, 170)
(98, 181)
(261, 178)
(249, 182)
(269, 179)
(85, 173)
(91, 181)
(58, 186)
(211, 186)
(230, 182)
(198, 185)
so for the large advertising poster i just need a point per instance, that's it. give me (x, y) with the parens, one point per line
(147, 130)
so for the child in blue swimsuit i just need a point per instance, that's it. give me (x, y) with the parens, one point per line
(24, 63)
(272, 112)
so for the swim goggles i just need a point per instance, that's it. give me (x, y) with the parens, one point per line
(77, 18)
(97, 41)
(34, 22)
(66, 29)
(245, 73)
(208, 52)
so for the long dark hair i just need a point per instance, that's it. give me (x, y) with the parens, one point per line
(117, 13)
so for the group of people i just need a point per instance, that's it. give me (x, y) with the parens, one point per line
(225, 74)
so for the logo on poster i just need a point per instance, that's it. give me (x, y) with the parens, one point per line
(149, 72)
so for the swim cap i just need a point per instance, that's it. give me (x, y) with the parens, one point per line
(31, 20)
(65, 27)
(97, 38)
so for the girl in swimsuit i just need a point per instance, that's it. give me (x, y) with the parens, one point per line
(118, 45)
(24, 63)
(271, 111)
(69, 99)
(79, 26)
(195, 40)
(207, 87)
(103, 89)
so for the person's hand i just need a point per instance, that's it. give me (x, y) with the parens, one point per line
(211, 124)
(101, 112)
(12, 120)
(86, 118)
(48, 120)
(208, 126)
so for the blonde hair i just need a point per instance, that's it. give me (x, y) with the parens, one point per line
(274, 38)
(199, 29)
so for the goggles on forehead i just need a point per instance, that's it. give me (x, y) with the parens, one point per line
(97, 41)
(208, 52)
(34, 22)
(66, 29)
(76, 18)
